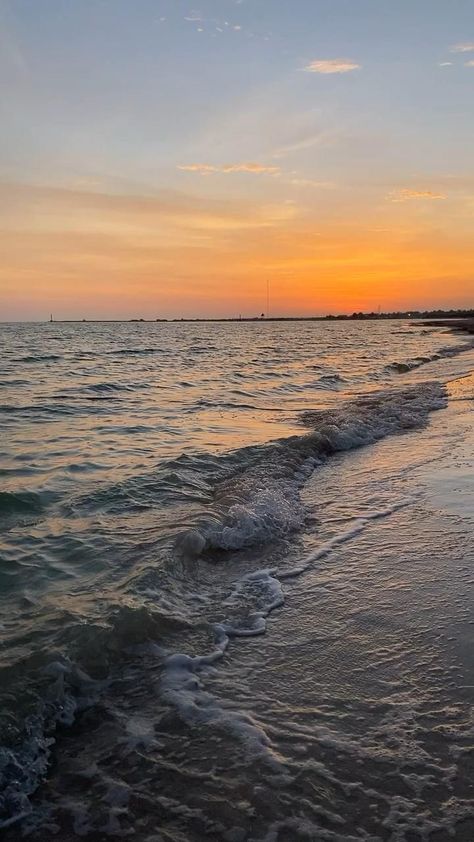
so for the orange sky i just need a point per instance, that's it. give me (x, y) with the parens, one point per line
(85, 254)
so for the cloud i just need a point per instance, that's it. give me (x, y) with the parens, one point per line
(445, 64)
(246, 167)
(310, 182)
(469, 63)
(212, 26)
(406, 195)
(467, 47)
(300, 145)
(136, 221)
(333, 65)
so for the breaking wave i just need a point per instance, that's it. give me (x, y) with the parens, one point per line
(401, 367)
(261, 501)
(48, 690)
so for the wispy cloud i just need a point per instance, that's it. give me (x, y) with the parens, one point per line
(407, 194)
(469, 63)
(131, 218)
(466, 47)
(333, 65)
(245, 167)
(445, 64)
(313, 139)
(218, 26)
(310, 182)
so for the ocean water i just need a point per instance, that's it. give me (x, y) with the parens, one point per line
(236, 569)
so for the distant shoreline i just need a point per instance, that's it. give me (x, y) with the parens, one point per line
(437, 318)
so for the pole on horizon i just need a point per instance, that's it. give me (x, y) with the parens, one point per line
(268, 298)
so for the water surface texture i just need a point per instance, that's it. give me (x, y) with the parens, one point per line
(236, 582)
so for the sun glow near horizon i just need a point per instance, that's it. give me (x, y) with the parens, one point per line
(174, 174)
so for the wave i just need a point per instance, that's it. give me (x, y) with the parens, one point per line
(97, 391)
(14, 382)
(208, 404)
(49, 690)
(185, 479)
(22, 502)
(261, 500)
(401, 367)
(136, 352)
(329, 381)
(253, 598)
(35, 411)
(38, 358)
(108, 387)
(24, 765)
(182, 687)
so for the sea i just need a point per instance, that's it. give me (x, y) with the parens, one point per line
(236, 582)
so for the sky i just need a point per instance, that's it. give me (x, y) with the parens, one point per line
(160, 159)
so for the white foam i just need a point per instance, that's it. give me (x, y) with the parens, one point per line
(358, 526)
(269, 591)
(182, 687)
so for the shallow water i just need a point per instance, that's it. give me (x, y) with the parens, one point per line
(172, 491)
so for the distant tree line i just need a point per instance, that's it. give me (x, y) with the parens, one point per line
(410, 314)
(405, 314)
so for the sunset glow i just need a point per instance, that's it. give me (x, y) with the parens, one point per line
(162, 161)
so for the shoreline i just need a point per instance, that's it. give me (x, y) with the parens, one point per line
(460, 325)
